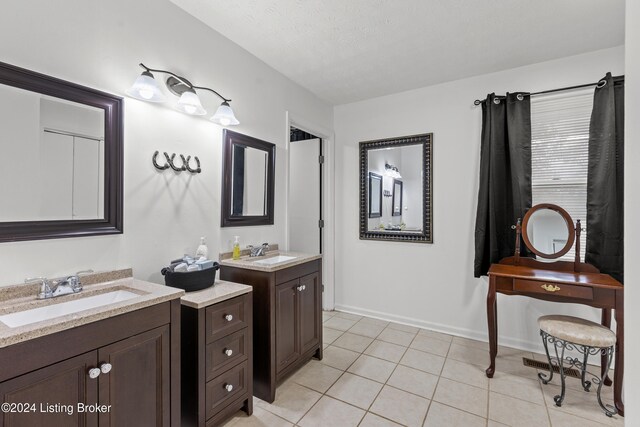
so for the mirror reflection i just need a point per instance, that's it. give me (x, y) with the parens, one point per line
(249, 182)
(401, 174)
(547, 231)
(54, 156)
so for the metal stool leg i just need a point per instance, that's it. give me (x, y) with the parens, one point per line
(560, 398)
(608, 409)
(586, 385)
(543, 377)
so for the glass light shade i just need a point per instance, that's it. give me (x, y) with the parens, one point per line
(189, 103)
(224, 115)
(145, 88)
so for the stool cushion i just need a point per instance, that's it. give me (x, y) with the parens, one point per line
(578, 331)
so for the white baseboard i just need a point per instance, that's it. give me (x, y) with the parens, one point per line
(519, 344)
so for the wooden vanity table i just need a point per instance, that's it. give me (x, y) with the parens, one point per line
(561, 281)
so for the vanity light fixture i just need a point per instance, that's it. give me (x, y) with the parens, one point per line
(146, 88)
(392, 171)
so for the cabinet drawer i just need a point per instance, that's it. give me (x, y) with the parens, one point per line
(225, 388)
(225, 318)
(559, 289)
(291, 273)
(226, 352)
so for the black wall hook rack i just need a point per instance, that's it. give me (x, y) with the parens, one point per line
(170, 162)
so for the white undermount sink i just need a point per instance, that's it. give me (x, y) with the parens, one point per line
(275, 260)
(47, 312)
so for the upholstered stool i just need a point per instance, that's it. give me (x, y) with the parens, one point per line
(587, 338)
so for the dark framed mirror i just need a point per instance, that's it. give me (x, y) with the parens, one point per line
(248, 180)
(375, 195)
(396, 198)
(63, 145)
(404, 165)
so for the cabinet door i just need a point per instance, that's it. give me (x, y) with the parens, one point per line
(55, 391)
(138, 385)
(287, 328)
(309, 295)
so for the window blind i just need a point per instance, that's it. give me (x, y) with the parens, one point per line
(559, 153)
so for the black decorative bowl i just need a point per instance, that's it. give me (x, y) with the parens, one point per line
(191, 281)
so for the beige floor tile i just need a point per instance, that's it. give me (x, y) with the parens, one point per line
(577, 402)
(492, 423)
(386, 351)
(404, 328)
(516, 412)
(563, 419)
(316, 376)
(375, 321)
(413, 381)
(465, 373)
(330, 335)
(260, 418)
(366, 329)
(471, 343)
(332, 410)
(292, 401)
(339, 358)
(400, 406)
(514, 366)
(355, 390)
(440, 415)
(474, 356)
(426, 362)
(372, 368)
(397, 337)
(349, 316)
(430, 345)
(437, 335)
(353, 342)
(372, 420)
(518, 387)
(462, 396)
(339, 323)
(326, 315)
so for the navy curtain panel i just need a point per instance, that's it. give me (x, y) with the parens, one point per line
(605, 179)
(505, 177)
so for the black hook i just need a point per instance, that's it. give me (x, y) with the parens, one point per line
(197, 169)
(170, 161)
(155, 162)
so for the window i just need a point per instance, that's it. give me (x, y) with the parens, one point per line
(559, 154)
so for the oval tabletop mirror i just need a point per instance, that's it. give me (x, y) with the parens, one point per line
(548, 231)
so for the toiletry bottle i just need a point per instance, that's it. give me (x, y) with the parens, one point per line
(202, 250)
(236, 248)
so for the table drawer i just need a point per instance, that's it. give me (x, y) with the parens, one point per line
(225, 388)
(225, 318)
(559, 289)
(226, 352)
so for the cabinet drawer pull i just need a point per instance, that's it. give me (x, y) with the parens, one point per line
(228, 352)
(228, 387)
(228, 317)
(304, 287)
(105, 368)
(299, 288)
(550, 288)
(94, 373)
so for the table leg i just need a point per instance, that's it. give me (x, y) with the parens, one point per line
(492, 320)
(604, 360)
(619, 371)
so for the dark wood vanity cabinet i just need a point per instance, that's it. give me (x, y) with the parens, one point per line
(217, 361)
(137, 357)
(287, 320)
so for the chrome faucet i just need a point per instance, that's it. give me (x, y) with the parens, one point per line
(258, 250)
(51, 288)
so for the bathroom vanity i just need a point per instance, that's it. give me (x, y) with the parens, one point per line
(287, 313)
(115, 364)
(217, 356)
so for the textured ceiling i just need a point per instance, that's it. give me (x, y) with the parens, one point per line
(349, 50)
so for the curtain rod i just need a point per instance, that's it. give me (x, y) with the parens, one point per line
(599, 84)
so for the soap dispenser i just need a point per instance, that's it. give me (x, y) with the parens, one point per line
(203, 250)
(236, 248)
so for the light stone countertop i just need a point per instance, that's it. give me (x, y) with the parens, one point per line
(250, 264)
(220, 291)
(13, 299)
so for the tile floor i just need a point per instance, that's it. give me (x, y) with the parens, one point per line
(377, 373)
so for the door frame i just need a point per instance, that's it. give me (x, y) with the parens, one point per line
(328, 200)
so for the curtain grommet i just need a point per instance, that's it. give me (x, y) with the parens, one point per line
(601, 84)
(496, 101)
(520, 97)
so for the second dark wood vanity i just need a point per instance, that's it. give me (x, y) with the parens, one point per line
(287, 318)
